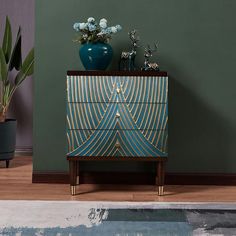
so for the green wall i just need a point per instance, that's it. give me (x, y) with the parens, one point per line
(197, 46)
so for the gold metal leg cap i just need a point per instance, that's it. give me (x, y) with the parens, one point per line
(160, 190)
(73, 190)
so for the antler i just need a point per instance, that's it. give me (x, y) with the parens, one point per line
(156, 46)
(148, 50)
(134, 37)
(132, 34)
(154, 49)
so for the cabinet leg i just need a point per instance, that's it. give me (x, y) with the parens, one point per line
(73, 190)
(77, 173)
(160, 178)
(7, 163)
(73, 176)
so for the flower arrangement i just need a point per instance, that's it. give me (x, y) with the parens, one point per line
(92, 32)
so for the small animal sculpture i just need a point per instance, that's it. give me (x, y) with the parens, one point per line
(127, 57)
(148, 52)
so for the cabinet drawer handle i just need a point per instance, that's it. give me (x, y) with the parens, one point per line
(117, 115)
(117, 145)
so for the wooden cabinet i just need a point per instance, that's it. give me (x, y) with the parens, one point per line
(117, 116)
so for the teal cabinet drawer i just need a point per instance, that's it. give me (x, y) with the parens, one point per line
(99, 116)
(130, 143)
(129, 89)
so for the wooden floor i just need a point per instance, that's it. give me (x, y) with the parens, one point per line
(16, 183)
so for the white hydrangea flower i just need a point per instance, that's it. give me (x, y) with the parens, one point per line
(91, 20)
(99, 32)
(91, 27)
(103, 24)
(103, 20)
(113, 29)
(82, 25)
(76, 26)
(118, 27)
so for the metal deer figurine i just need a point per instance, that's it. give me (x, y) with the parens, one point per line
(127, 57)
(147, 54)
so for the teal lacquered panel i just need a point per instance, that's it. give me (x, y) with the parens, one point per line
(136, 143)
(129, 89)
(98, 116)
(117, 116)
(151, 89)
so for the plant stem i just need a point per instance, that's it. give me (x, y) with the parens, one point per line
(2, 116)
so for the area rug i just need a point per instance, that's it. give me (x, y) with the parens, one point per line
(59, 218)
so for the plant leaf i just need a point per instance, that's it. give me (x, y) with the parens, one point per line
(26, 69)
(16, 57)
(28, 64)
(6, 94)
(3, 66)
(7, 41)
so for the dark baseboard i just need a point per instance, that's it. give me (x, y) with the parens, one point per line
(24, 151)
(136, 178)
(200, 179)
(50, 177)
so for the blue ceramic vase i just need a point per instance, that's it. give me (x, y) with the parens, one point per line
(96, 56)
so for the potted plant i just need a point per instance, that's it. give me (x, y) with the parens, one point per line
(10, 59)
(95, 53)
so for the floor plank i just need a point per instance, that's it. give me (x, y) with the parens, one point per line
(16, 184)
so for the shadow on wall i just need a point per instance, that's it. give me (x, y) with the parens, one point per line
(198, 136)
(21, 113)
(20, 109)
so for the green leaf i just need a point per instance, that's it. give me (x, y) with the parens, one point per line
(3, 66)
(16, 57)
(6, 95)
(26, 69)
(28, 65)
(7, 41)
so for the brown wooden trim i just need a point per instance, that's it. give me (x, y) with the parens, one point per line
(102, 158)
(201, 178)
(51, 177)
(118, 73)
(137, 178)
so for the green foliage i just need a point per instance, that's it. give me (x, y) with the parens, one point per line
(10, 59)
(3, 66)
(26, 69)
(16, 58)
(7, 40)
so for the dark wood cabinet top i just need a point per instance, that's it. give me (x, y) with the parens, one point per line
(118, 73)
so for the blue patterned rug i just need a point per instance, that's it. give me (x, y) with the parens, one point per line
(59, 218)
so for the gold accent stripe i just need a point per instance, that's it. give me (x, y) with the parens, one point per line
(159, 115)
(127, 147)
(72, 122)
(134, 105)
(110, 142)
(97, 139)
(69, 148)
